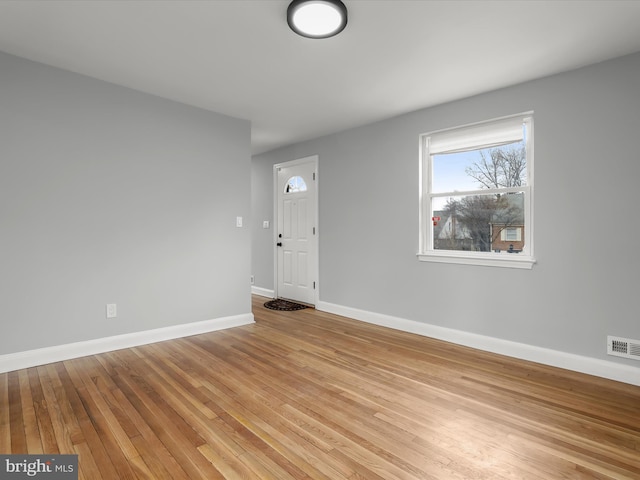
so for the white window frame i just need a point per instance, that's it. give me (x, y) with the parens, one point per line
(471, 137)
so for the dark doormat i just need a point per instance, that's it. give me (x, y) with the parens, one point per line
(285, 305)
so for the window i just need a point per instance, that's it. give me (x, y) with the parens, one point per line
(476, 196)
(511, 234)
(295, 185)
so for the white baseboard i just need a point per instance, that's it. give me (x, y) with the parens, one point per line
(545, 356)
(42, 356)
(263, 292)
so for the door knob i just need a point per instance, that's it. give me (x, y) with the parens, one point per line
(279, 244)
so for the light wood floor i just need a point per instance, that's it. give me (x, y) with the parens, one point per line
(308, 395)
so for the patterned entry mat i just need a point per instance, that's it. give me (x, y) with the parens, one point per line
(285, 305)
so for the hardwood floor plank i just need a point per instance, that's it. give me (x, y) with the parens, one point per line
(68, 415)
(229, 466)
(88, 468)
(199, 418)
(236, 416)
(53, 409)
(103, 446)
(262, 428)
(310, 395)
(45, 427)
(167, 426)
(5, 416)
(16, 425)
(150, 447)
(29, 419)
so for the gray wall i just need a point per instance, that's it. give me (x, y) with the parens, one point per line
(585, 284)
(108, 195)
(261, 210)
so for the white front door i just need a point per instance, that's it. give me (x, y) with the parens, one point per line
(296, 234)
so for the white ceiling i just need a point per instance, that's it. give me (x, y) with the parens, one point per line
(239, 58)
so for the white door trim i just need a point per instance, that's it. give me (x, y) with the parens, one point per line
(310, 159)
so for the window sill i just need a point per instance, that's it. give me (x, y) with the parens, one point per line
(506, 260)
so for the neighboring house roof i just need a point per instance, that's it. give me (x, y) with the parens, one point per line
(446, 228)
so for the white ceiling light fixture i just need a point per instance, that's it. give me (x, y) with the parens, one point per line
(317, 18)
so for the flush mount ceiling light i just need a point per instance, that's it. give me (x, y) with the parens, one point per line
(317, 18)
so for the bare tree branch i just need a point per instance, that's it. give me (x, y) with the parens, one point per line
(504, 167)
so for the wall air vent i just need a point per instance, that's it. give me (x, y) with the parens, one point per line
(623, 347)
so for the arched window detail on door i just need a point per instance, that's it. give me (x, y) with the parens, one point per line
(295, 184)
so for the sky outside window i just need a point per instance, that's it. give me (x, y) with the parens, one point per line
(449, 173)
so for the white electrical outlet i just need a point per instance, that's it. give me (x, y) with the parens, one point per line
(112, 310)
(252, 279)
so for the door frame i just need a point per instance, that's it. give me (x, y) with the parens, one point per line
(313, 159)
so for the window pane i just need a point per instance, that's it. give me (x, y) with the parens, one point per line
(480, 223)
(295, 185)
(499, 167)
(511, 234)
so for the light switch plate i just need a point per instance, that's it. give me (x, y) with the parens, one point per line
(112, 310)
